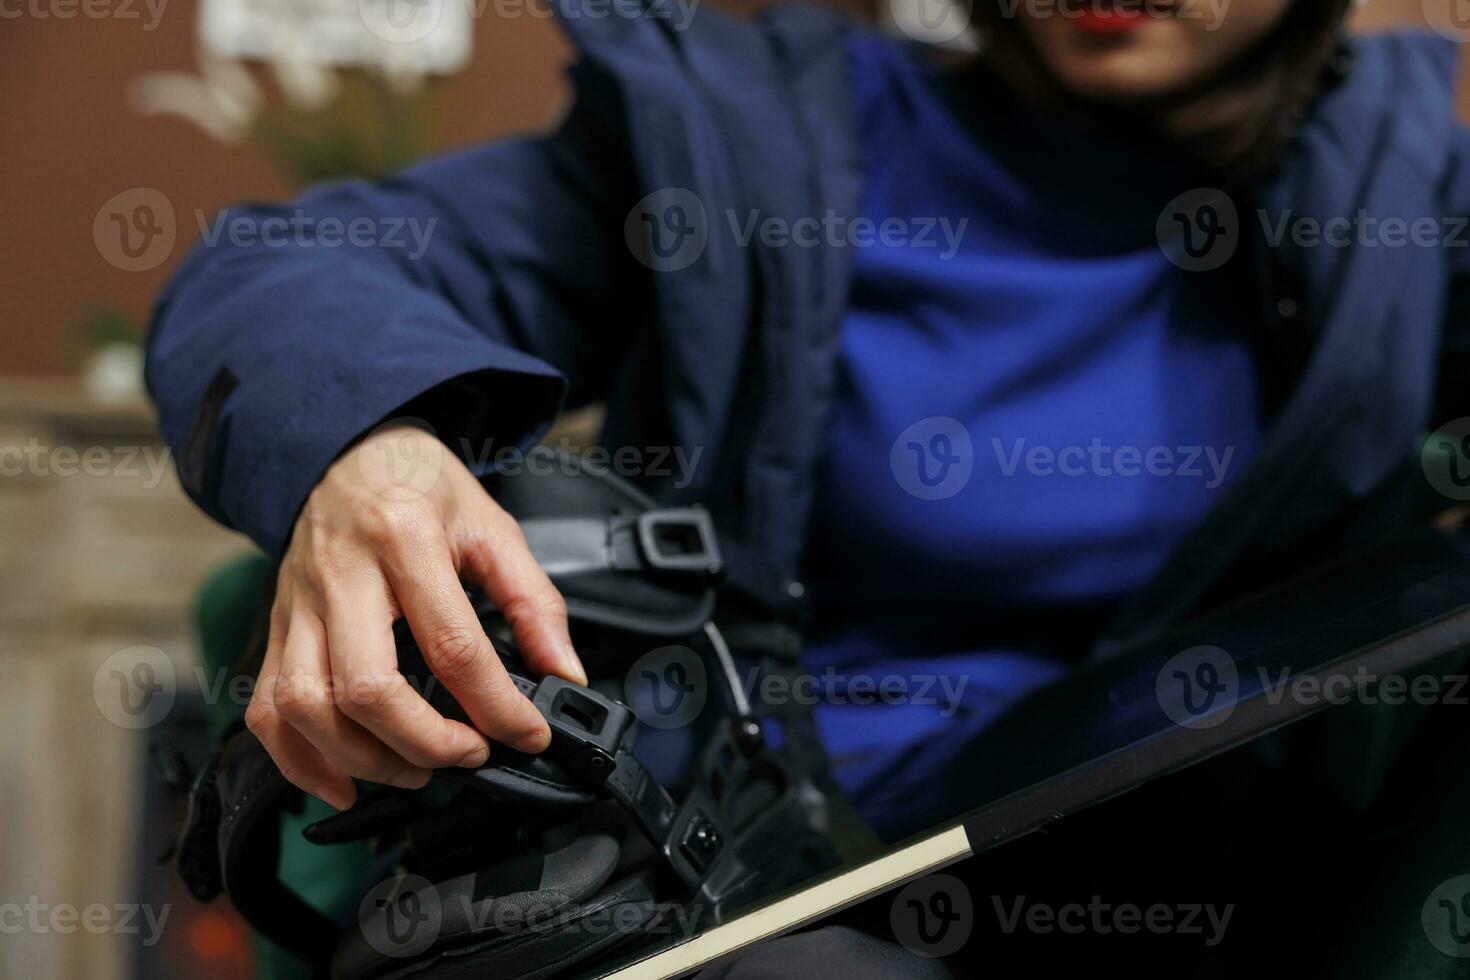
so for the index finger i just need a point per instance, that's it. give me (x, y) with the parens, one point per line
(375, 694)
(457, 650)
(498, 559)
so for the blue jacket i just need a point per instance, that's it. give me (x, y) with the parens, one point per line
(267, 360)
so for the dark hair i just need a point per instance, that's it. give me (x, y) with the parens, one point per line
(1234, 123)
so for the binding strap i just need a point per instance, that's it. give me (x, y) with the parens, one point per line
(232, 843)
(231, 840)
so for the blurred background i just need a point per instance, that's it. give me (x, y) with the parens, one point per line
(128, 125)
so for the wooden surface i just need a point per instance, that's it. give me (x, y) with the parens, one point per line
(93, 563)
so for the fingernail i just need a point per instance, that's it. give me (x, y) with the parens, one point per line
(575, 671)
(339, 801)
(411, 779)
(475, 757)
(533, 743)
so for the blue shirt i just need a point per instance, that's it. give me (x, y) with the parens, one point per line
(1033, 405)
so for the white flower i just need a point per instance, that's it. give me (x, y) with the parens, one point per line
(222, 100)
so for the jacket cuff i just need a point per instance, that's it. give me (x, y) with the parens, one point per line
(495, 396)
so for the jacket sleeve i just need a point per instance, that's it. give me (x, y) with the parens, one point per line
(479, 290)
(1451, 396)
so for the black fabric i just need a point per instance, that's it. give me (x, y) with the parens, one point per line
(532, 893)
(535, 784)
(617, 916)
(198, 445)
(252, 793)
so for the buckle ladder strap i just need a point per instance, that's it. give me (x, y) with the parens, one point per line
(592, 742)
(238, 807)
(670, 540)
(775, 648)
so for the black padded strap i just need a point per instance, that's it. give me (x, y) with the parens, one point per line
(592, 748)
(232, 843)
(238, 810)
(577, 545)
(647, 571)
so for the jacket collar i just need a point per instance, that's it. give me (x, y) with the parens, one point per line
(1388, 127)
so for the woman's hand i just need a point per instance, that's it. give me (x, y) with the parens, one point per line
(390, 530)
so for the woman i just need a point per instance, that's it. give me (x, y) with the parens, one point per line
(984, 365)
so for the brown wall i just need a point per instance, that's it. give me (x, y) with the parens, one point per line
(70, 143)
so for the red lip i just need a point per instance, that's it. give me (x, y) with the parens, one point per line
(1097, 19)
